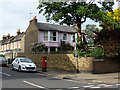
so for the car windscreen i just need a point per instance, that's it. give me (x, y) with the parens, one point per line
(26, 60)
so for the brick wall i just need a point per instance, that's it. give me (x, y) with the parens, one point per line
(30, 37)
(67, 62)
(61, 61)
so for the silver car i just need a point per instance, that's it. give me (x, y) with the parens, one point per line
(23, 64)
(3, 61)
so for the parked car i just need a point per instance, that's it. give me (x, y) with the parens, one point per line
(3, 61)
(23, 64)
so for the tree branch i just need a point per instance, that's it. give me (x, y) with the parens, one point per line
(83, 20)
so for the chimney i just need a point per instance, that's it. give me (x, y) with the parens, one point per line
(34, 20)
(75, 26)
(18, 32)
(4, 37)
(8, 36)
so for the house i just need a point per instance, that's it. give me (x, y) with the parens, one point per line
(10, 43)
(49, 34)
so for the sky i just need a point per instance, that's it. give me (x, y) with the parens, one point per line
(15, 14)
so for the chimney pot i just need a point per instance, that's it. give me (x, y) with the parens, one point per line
(18, 32)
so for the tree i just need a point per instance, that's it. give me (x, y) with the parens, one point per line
(115, 14)
(89, 31)
(111, 20)
(74, 13)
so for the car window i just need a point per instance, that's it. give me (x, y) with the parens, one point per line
(16, 60)
(26, 60)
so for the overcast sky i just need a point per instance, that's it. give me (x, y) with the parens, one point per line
(15, 14)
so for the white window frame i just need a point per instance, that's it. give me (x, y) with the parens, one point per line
(4, 46)
(48, 35)
(53, 36)
(63, 36)
(19, 42)
(12, 46)
(45, 36)
(8, 46)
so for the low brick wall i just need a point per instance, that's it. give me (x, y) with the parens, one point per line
(61, 61)
(108, 65)
(67, 62)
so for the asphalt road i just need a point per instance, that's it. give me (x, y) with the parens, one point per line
(14, 80)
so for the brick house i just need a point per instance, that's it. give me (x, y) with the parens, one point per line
(49, 34)
(10, 43)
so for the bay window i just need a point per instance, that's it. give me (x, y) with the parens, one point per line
(53, 36)
(46, 36)
(50, 36)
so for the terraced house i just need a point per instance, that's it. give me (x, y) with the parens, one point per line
(49, 34)
(10, 43)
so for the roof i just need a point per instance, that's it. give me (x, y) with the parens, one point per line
(12, 39)
(17, 38)
(53, 27)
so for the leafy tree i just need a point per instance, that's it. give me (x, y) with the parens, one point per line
(111, 20)
(109, 40)
(115, 14)
(90, 29)
(74, 13)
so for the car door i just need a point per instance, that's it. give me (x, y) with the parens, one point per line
(15, 63)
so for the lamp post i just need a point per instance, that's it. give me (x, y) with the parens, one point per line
(76, 56)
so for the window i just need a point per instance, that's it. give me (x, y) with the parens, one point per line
(64, 36)
(11, 45)
(19, 44)
(7, 46)
(45, 36)
(72, 37)
(53, 36)
(4, 47)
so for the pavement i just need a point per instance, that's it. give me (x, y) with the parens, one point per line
(107, 78)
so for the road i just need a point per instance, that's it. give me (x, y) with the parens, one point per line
(14, 80)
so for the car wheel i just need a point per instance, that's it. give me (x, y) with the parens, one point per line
(19, 69)
(12, 67)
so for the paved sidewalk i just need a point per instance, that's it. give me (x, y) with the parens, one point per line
(108, 78)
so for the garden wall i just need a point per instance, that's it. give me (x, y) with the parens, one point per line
(67, 62)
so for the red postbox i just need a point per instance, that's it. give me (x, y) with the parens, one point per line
(44, 64)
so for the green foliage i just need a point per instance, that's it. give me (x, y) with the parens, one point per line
(81, 53)
(72, 13)
(89, 31)
(65, 46)
(96, 52)
(109, 40)
(37, 47)
(1, 55)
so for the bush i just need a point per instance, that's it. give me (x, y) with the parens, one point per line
(96, 52)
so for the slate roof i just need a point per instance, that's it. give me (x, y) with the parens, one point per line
(53, 27)
(17, 38)
(12, 39)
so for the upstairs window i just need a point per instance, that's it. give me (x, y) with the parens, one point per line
(53, 36)
(45, 36)
(64, 36)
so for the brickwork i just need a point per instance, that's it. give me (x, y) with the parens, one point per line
(30, 37)
(67, 62)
